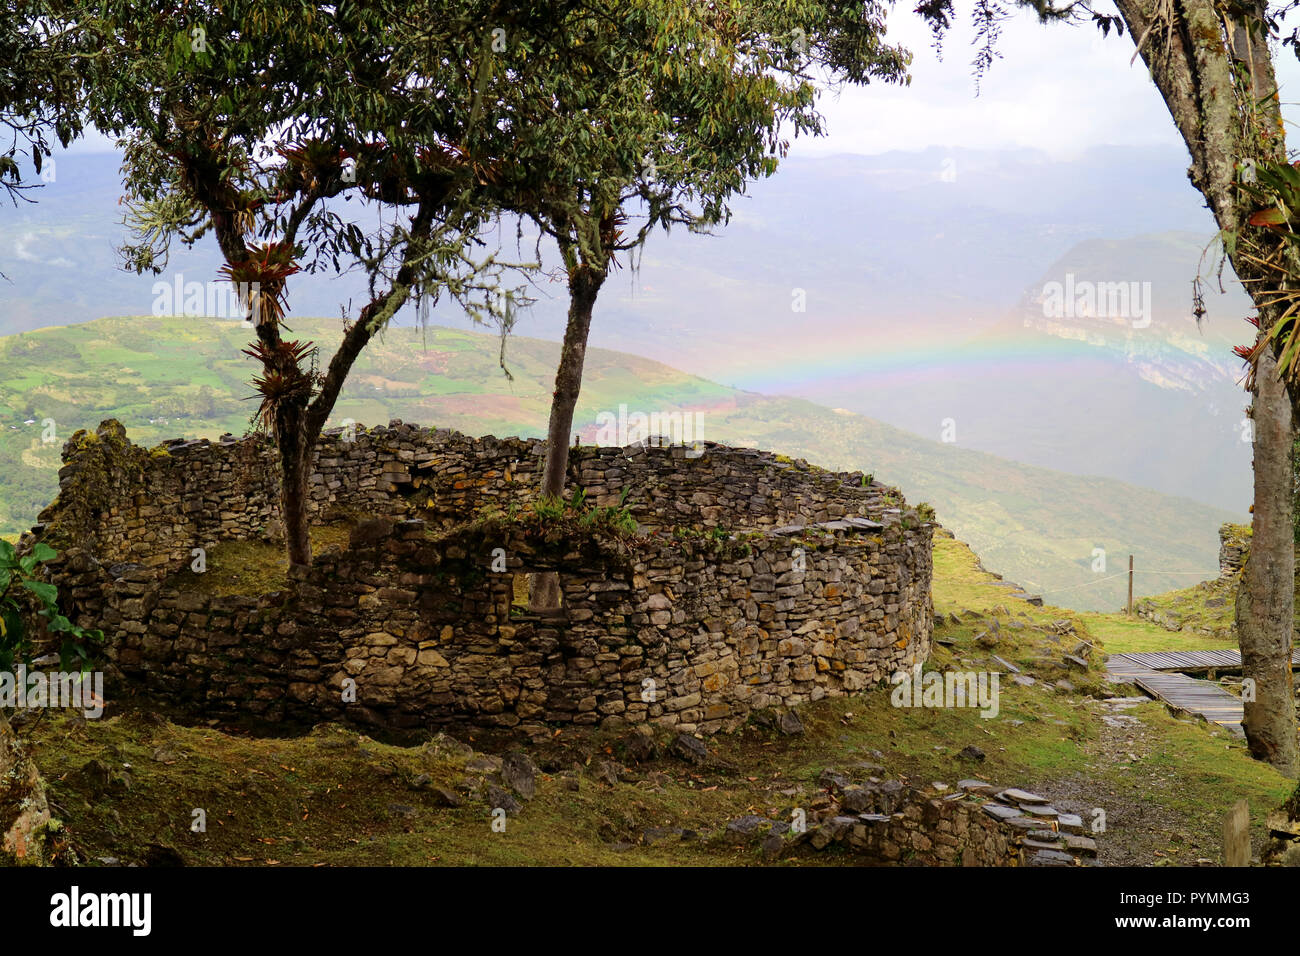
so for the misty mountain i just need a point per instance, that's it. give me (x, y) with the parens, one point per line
(921, 277)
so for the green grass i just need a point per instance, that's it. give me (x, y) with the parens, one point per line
(1206, 607)
(1123, 635)
(959, 582)
(253, 567)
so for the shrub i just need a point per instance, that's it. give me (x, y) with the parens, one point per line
(21, 587)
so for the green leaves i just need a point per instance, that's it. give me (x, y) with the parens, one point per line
(39, 88)
(1276, 187)
(9, 561)
(48, 593)
(11, 626)
(35, 599)
(698, 95)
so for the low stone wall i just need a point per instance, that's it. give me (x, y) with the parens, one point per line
(889, 823)
(651, 629)
(904, 825)
(412, 624)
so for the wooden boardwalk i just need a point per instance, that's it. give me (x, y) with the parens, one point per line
(1194, 662)
(1158, 676)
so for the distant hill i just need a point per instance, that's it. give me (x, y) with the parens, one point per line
(173, 377)
(922, 274)
(877, 242)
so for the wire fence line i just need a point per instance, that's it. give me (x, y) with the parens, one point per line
(1118, 574)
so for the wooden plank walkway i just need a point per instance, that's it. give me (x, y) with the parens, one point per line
(1194, 661)
(1201, 697)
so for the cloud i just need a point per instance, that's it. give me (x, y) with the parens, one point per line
(92, 141)
(22, 245)
(1059, 88)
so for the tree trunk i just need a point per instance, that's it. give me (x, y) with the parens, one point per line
(1266, 595)
(568, 379)
(298, 424)
(584, 286)
(1193, 68)
(296, 444)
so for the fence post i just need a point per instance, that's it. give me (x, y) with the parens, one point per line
(1236, 835)
(1130, 585)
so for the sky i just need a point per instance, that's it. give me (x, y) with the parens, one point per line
(1059, 88)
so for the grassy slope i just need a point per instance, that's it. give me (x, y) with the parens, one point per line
(332, 797)
(1036, 526)
(1190, 618)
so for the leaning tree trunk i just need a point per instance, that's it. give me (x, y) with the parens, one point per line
(584, 286)
(1225, 122)
(1266, 594)
(299, 421)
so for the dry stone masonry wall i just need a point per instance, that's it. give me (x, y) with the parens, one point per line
(752, 582)
(1234, 547)
(887, 822)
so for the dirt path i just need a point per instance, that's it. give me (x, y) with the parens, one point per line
(1130, 789)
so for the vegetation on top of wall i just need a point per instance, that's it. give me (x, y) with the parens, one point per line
(554, 518)
(100, 457)
(612, 519)
(1239, 534)
(719, 542)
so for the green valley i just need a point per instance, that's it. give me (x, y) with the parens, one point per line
(1065, 536)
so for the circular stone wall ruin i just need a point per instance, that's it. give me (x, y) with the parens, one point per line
(751, 582)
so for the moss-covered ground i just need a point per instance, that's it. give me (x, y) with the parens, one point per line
(127, 785)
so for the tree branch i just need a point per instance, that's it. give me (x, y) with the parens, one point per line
(363, 330)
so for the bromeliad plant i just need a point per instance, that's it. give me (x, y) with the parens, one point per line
(262, 275)
(1275, 187)
(284, 379)
(21, 588)
(549, 512)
